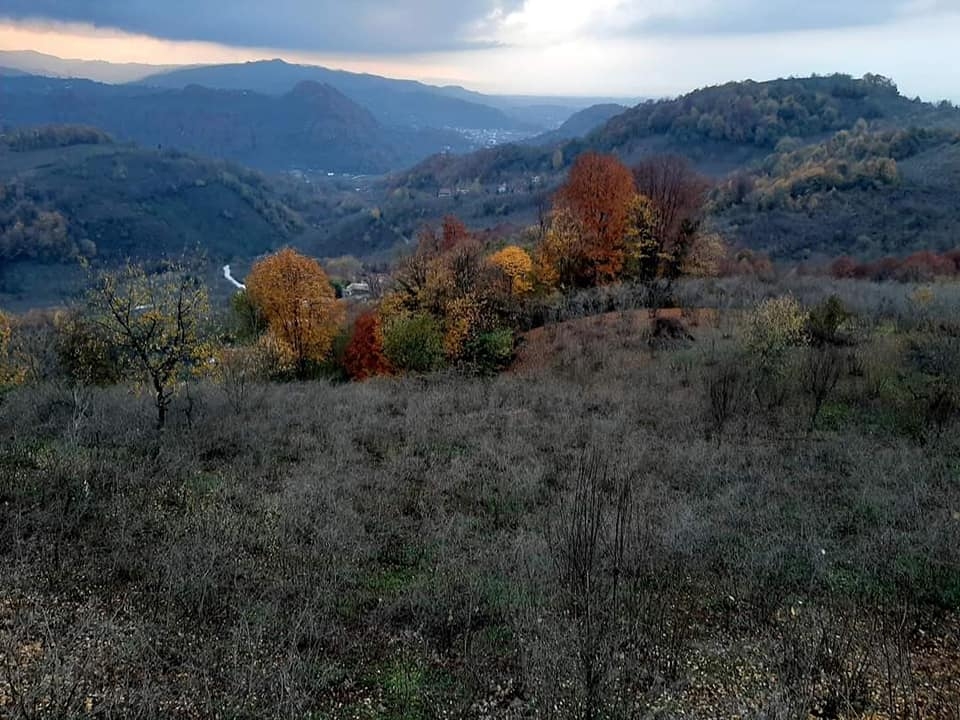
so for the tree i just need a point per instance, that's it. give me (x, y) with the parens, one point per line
(364, 356)
(414, 343)
(296, 300)
(598, 195)
(155, 322)
(450, 279)
(821, 372)
(516, 265)
(676, 196)
(454, 233)
(557, 253)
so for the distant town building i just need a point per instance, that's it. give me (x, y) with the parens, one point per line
(502, 190)
(445, 193)
(357, 290)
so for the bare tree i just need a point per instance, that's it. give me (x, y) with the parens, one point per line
(155, 321)
(671, 223)
(821, 373)
(589, 548)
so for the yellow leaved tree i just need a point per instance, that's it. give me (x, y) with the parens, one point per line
(517, 265)
(295, 298)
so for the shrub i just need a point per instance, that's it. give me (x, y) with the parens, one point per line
(774, 326)
(414, 344)
(491, 352)
(726, 390)
(825, 321)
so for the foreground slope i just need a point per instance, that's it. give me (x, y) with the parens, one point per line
(519, 546)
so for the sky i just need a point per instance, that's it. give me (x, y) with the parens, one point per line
(629, 48)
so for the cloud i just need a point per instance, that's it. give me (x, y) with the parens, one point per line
(745, 17)
(352, 26)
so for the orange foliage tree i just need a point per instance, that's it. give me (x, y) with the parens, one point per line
(299, 305)
(598, 196)
(364, 356)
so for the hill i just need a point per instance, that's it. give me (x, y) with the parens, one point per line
(580, 124)
(861, 193)
(312, 127)
(741, 130)
(67, 193)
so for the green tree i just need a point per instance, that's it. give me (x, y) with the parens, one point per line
(414, 343)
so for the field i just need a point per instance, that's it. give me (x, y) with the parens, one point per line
(629, 524)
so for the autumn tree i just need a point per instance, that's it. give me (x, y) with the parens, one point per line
(598, 196)
(517, 266)
(364, 356)
(676, 191)
(668, 219)
(450, 279)
(296, 300)
(454, 233)
(557, 261)
(155, 322)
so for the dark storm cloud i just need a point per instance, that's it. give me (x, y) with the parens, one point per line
(368, 26)
(764, 16)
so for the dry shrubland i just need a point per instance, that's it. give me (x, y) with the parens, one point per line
(626, 528)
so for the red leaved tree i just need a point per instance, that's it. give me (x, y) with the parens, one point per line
(364, 356)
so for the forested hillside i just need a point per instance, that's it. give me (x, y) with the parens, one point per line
(844, 145)
(67, 193)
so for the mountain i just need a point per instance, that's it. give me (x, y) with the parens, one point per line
(580, 124)
(11, 72)
(312, 127)
(401, 103)
(721, 129)
(393, 102)
(34, 63)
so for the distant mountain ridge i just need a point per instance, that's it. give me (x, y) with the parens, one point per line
(402, 103)
(719, 128)
(313, 127)
(34, 63)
